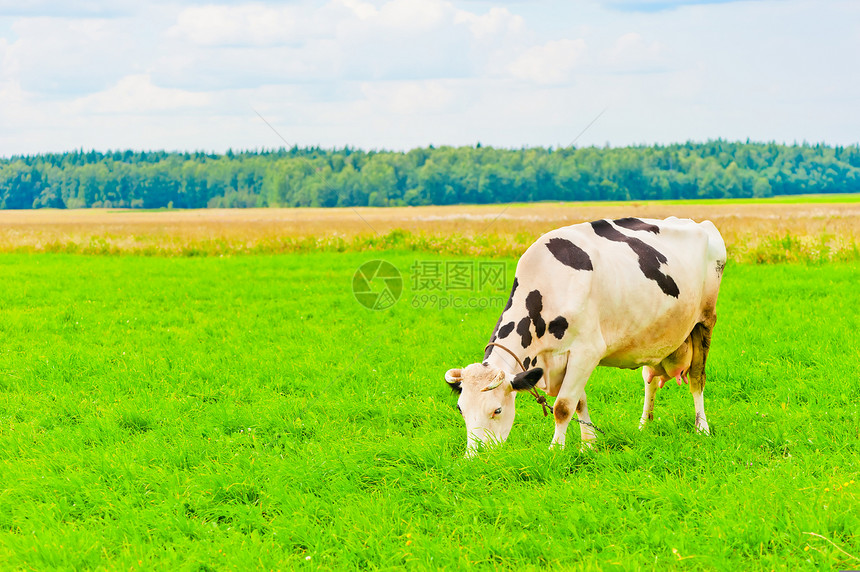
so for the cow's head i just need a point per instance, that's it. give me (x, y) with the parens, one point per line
(487, 401)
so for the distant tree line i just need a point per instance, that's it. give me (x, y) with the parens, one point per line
(314, 177)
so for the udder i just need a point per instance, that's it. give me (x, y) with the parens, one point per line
(676, 364)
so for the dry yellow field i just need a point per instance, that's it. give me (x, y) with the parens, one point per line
(755, 232)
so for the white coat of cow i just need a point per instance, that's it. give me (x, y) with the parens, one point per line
(627, 293)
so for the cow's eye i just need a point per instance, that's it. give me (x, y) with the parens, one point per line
(497, 411)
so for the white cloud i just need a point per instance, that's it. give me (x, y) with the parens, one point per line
(401, 73)
(553, 62)
(135, 94)
(408, 98)
(364, 10)
(403, 39)
(218, 47)
(660, 5)
(16, 109)
(632, 52)
(242, 25)
(55, 56)
(414, 15)
(67, 8)
(498, 21)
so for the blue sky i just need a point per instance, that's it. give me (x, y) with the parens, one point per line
(398, 74)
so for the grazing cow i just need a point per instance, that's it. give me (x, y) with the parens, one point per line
(626, 293)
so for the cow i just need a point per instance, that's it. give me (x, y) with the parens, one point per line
(625, 293)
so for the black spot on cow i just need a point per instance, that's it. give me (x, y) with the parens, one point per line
(511, 298)
(510, 303)
(489, 348)
(558, 326)
(650, 258)
(631, 223)
(534, 305)
(524, 330)
(561, 410)
(527, 362)
(569, 254)
(505, 330)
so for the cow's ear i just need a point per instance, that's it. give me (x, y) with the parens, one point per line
(527, 379)
(454, 377)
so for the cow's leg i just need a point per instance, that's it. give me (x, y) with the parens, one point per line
(586, 429)
(650, 392)
(569, 396)
(701, 344)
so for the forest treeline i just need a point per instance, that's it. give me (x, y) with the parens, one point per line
(314, 177)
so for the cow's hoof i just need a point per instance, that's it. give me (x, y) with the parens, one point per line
(702, 424)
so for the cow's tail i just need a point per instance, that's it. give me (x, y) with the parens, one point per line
(701, 342)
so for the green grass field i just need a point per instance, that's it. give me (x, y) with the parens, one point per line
(246, 412)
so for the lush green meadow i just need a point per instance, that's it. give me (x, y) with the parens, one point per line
(246, 412)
